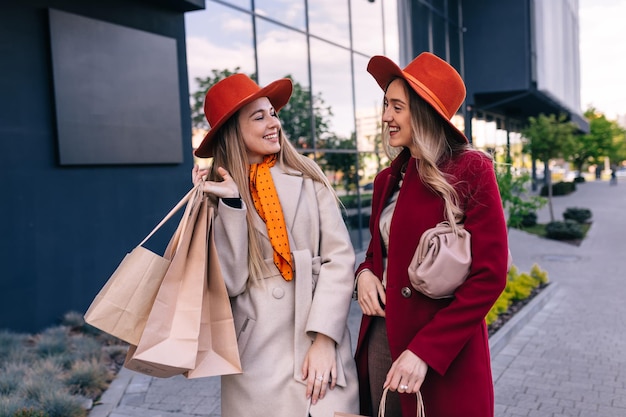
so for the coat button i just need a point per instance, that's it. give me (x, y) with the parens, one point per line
(278, 292)
(406, 292)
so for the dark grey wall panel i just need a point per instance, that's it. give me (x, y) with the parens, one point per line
(64, 228)
(116, 93)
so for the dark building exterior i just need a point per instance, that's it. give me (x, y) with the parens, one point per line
(72, 207)
(96, 131)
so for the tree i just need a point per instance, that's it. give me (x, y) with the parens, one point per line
(598, 143)
(344, 162)
(302, 117)
(546, 138)
(295, 116)
(515, 200)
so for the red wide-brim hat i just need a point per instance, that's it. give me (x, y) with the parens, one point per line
(432, 78)
(227, 96)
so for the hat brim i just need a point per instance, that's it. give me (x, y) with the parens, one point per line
(384, 70)
(278, 93)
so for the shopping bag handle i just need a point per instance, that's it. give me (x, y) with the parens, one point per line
(173, 211)
(383, 402)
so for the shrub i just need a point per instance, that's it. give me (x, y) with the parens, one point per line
(12, 406)
(12, 346)
(559, 188)
(62, 404)
(566, 230)
(29, 412)
(54, 340)
(88, 378)
(529, 219)
(518, 287)
(579, 180)
(580, 215)
(11, 377)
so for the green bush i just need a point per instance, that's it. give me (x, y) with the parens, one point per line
(529, 219)
(579, 180)
(57, 373)
(580, 215)
(518, 287)
(559, 188)
(565, 230)
(88, 378)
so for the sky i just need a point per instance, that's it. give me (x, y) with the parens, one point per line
(603, 56)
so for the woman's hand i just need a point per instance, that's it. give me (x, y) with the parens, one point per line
(320, 367)
(221, 189)
(370, 294)
(407, 373)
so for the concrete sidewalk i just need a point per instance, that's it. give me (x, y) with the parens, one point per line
(563, 355)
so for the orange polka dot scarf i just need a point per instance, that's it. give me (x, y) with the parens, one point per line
(266, 202)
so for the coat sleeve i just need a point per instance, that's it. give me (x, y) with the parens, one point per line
(333, 291)
(442, 338)
(231, 240)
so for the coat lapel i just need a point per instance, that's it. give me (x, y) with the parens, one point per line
(289, 188)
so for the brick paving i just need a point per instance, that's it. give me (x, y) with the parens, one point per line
(567, 357)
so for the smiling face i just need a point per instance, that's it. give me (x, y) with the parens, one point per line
(259, 126)
(397, 115)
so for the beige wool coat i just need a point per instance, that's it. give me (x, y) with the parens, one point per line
(277, 320)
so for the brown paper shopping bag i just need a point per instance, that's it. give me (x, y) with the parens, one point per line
(383, 402)
(169, 343)
(122, 306)
(218, 353)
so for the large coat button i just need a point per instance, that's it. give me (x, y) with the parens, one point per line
(406, 292)
(278, 293)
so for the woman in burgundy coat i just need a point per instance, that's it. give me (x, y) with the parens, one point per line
(409, 342)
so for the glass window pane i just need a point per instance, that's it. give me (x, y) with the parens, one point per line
(288, 12)
(272, 43)
(439, 36)
(328, 19)
(367, 27)
(369, 99)
(332, 92)
(219, 40)
(392, 33)
(244, 4)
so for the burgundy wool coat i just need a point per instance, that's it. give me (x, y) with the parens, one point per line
(450, 335)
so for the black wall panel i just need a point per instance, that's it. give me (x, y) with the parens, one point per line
(64, 229)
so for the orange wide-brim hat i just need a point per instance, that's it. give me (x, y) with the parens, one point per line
(227, 96)
(432, 78)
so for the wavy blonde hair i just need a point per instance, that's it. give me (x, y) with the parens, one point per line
(435, 141)
(229, 152)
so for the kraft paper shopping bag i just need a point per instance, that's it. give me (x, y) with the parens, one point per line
(169, 343)
(218, 353)
(122, 306)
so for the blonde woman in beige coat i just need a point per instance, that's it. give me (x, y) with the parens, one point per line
(286, 257)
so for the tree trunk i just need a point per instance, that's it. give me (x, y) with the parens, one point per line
(548, 180)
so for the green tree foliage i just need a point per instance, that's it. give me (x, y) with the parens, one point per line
(344, 161)
(516, 201)
(295, 116)
(304, 116)
(591, 147)
(546, 138)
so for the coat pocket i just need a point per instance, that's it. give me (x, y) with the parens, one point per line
(243, 327)
(316, 266)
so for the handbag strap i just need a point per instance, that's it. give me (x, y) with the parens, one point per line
(383, 402)
(173, 211)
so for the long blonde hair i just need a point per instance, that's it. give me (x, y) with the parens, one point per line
(435, 142)
(229, 152)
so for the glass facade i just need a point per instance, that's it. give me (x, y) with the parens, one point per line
(324, 47)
